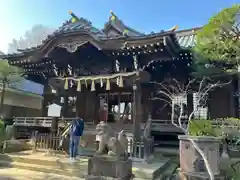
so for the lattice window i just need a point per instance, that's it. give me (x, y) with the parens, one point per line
(200, 107)
(179, 100)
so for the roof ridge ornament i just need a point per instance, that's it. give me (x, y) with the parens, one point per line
(174, 28)
(113, 17)
(74, 17)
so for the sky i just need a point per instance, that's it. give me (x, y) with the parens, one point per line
(17, 16)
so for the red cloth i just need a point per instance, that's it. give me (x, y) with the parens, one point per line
(103, 115)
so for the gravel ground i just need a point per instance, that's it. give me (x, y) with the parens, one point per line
(19, 174)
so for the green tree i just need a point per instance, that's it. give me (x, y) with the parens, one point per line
(218, 42)
(9, 75)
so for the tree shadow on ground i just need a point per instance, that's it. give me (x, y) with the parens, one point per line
(7, 178)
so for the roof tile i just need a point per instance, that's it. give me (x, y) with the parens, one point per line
(29, 86)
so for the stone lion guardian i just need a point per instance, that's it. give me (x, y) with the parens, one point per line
(115, 145)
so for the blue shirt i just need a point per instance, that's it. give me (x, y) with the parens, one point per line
(77, 127)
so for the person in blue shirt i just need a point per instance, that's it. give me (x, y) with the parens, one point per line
(76, 131)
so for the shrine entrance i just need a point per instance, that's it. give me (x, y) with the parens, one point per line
(116, 107)
(109, 98)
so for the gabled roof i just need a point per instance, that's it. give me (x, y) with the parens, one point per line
(75, 25)
(80, 25)
(115, 23)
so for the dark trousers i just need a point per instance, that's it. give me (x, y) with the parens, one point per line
(73, 146)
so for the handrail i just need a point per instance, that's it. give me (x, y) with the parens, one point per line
(47, 121)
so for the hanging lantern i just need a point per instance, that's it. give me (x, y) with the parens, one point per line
(108, 85)
(79, 86)
(66, 84)
(93, 86)
(120, 81)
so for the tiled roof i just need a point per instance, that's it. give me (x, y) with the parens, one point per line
(80, 25)
(29, 86)
(186, 41)
(186, 38)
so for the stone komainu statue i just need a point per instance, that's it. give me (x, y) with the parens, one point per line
(117, 146)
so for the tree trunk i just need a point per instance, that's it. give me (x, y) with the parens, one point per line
(2, 97)
(238, 92)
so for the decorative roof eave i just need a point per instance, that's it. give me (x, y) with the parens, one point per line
(115, 23)
(151, 44)
(171, 44)
(51, 38)
(113, 43)
(12, 56)
(99, 43)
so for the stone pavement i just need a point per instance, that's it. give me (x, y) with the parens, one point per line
(42, 166)
(20, 174)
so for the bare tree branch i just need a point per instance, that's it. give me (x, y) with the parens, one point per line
(172, 88)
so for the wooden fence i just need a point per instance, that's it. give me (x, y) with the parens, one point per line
(49, 143)
(142, 150)
(46, 142)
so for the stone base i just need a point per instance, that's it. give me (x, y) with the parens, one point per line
(106, 166)
(103, 178)
(201, 176)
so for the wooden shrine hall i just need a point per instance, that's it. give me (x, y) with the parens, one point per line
(106, 74)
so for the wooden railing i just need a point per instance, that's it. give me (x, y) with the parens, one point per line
(140, 151)
(49, 142)
(166, 125)
(39, 121)
(157, 125)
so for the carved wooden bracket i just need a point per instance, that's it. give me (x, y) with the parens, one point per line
(72, 46)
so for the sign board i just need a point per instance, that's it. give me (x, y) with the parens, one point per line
(54, 110)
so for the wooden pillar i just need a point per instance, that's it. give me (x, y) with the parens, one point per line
(189, 103)
(137, 112)
(65, 104)
(90, 99)
(45, 100)
(54, 125)
(236, 101)
(97, 106)
(119, 110)
(80, 105)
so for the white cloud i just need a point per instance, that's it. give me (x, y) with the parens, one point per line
(4, 40)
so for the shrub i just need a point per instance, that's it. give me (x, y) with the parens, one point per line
(202, 128)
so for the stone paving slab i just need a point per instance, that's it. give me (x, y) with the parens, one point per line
(40, 162)
(20, 174)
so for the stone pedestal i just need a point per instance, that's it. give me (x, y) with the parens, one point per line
(191, 162)
(109, 167)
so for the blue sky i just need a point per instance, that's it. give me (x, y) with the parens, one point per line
(17, 16)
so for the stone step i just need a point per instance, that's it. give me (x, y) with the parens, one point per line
(61, 165)
(54, 162)
(80, 173)
(21, 174)
(170, 170)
